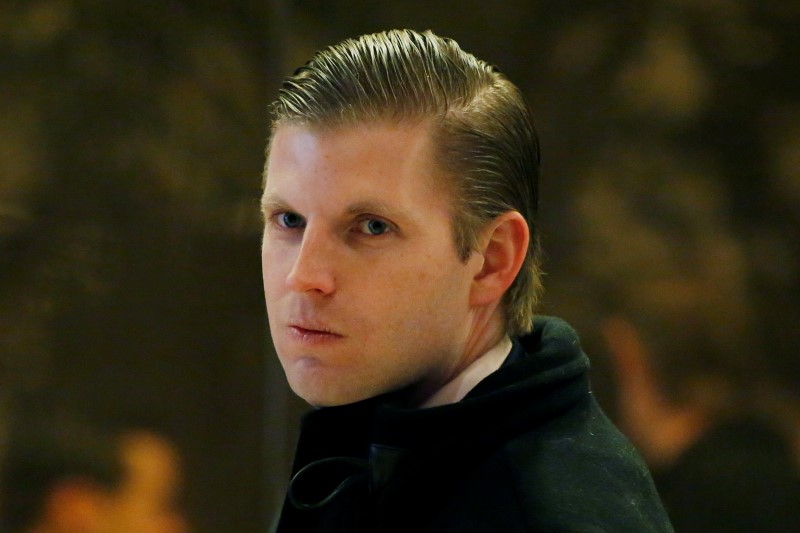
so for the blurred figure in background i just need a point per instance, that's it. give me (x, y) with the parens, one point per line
(63, 474)
(668, 297)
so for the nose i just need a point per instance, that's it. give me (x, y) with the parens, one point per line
(314, 266)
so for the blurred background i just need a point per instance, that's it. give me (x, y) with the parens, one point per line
(131, 147)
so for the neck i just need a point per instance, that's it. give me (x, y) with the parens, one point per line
(486, 331)
(488, 327)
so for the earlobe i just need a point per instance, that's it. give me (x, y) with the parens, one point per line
(503, 246)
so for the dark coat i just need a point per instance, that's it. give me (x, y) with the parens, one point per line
(527, 450)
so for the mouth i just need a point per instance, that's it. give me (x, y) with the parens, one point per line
(313, 334)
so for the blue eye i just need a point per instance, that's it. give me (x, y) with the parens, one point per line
(373, 226)
(290, 220)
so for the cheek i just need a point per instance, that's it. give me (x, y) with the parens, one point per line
(441, 275)
(416, 297)
(273, 283)
(275, 262)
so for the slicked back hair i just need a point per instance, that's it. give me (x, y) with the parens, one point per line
(482, 130)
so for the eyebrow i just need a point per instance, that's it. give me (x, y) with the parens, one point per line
(376, 207)
(271, 203)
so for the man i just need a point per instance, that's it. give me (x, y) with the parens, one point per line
(63, 474)
(400, 261)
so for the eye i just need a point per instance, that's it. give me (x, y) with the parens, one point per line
(373, 226)
(289, 220)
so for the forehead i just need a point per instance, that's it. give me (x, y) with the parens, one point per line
(394, 159)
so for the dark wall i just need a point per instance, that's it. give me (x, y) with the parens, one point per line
(132, 144)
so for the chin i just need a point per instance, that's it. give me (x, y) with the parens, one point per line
(321, 386)
(329, 398)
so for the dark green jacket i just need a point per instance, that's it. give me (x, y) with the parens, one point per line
(527, 450)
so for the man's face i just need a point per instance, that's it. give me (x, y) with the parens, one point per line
(365, 292)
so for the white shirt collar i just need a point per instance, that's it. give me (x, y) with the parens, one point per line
(458, 387)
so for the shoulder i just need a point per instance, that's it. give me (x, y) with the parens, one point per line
(579, 473)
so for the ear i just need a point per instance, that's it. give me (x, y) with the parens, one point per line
(503, 246)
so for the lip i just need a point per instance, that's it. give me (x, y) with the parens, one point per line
(313, 334)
